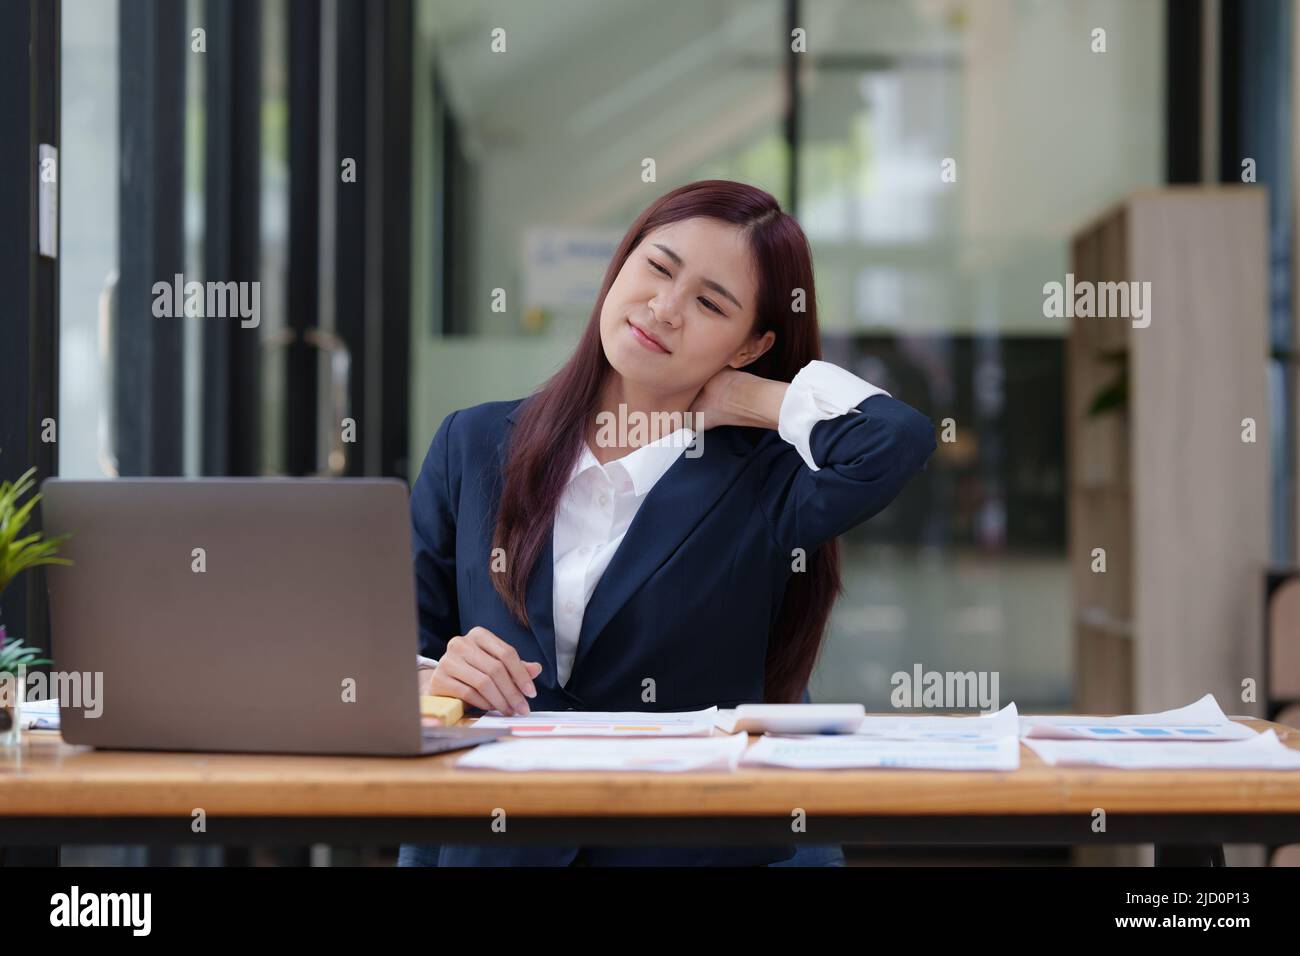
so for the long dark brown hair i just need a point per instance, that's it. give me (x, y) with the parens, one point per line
(552, 423)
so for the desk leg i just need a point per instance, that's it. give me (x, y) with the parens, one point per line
(1208, 854)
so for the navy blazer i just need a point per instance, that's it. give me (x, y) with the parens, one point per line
(683, 612)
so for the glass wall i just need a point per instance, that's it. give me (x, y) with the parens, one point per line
(88, 267)
(945, 150)
(273, 223)
(91, 185)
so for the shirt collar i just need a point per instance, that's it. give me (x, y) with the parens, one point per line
(644, 465)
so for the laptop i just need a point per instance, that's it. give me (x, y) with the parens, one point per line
(255, 615)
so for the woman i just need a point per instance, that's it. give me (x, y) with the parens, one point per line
(565, 562)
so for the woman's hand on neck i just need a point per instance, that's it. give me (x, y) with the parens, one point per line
(734, 397)
(731, 397)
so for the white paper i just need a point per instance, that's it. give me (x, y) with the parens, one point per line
(39, 714)
(831, 752)
(660, 755)
(1201, 721)
(1262, 751)
(605, 723)
(791, 718)
(934, 727)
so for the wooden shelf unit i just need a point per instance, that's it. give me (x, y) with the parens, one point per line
(1166, 485)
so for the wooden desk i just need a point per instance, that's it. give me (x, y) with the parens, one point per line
(53, 793)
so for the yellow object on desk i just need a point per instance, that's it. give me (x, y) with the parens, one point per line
(446, 710)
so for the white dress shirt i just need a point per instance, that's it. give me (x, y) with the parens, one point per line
(600, 501)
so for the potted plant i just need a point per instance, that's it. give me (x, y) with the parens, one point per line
(18, 554)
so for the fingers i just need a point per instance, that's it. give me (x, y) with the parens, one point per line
(444, 685)
(509, 657)
(485, 693)
(501, 676)
(497, 672)
(481, 663)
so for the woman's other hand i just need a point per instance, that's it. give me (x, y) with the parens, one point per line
(733, 397)
(485, 672)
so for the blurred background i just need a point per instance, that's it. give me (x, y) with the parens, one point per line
(485, 176)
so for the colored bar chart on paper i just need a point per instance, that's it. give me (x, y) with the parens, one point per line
(576, 723)
(1202, 720)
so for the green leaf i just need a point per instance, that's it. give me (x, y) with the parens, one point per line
(18, 554)
(15, 655)
(1113, 397)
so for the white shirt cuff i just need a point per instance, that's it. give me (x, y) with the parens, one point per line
(425, 663)
(820, 391)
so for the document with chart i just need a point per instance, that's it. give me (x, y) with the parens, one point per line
(933, 727)
(661, 755)
(597, 723)
(1261, 752)
(851, 751)
(1202, 720)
